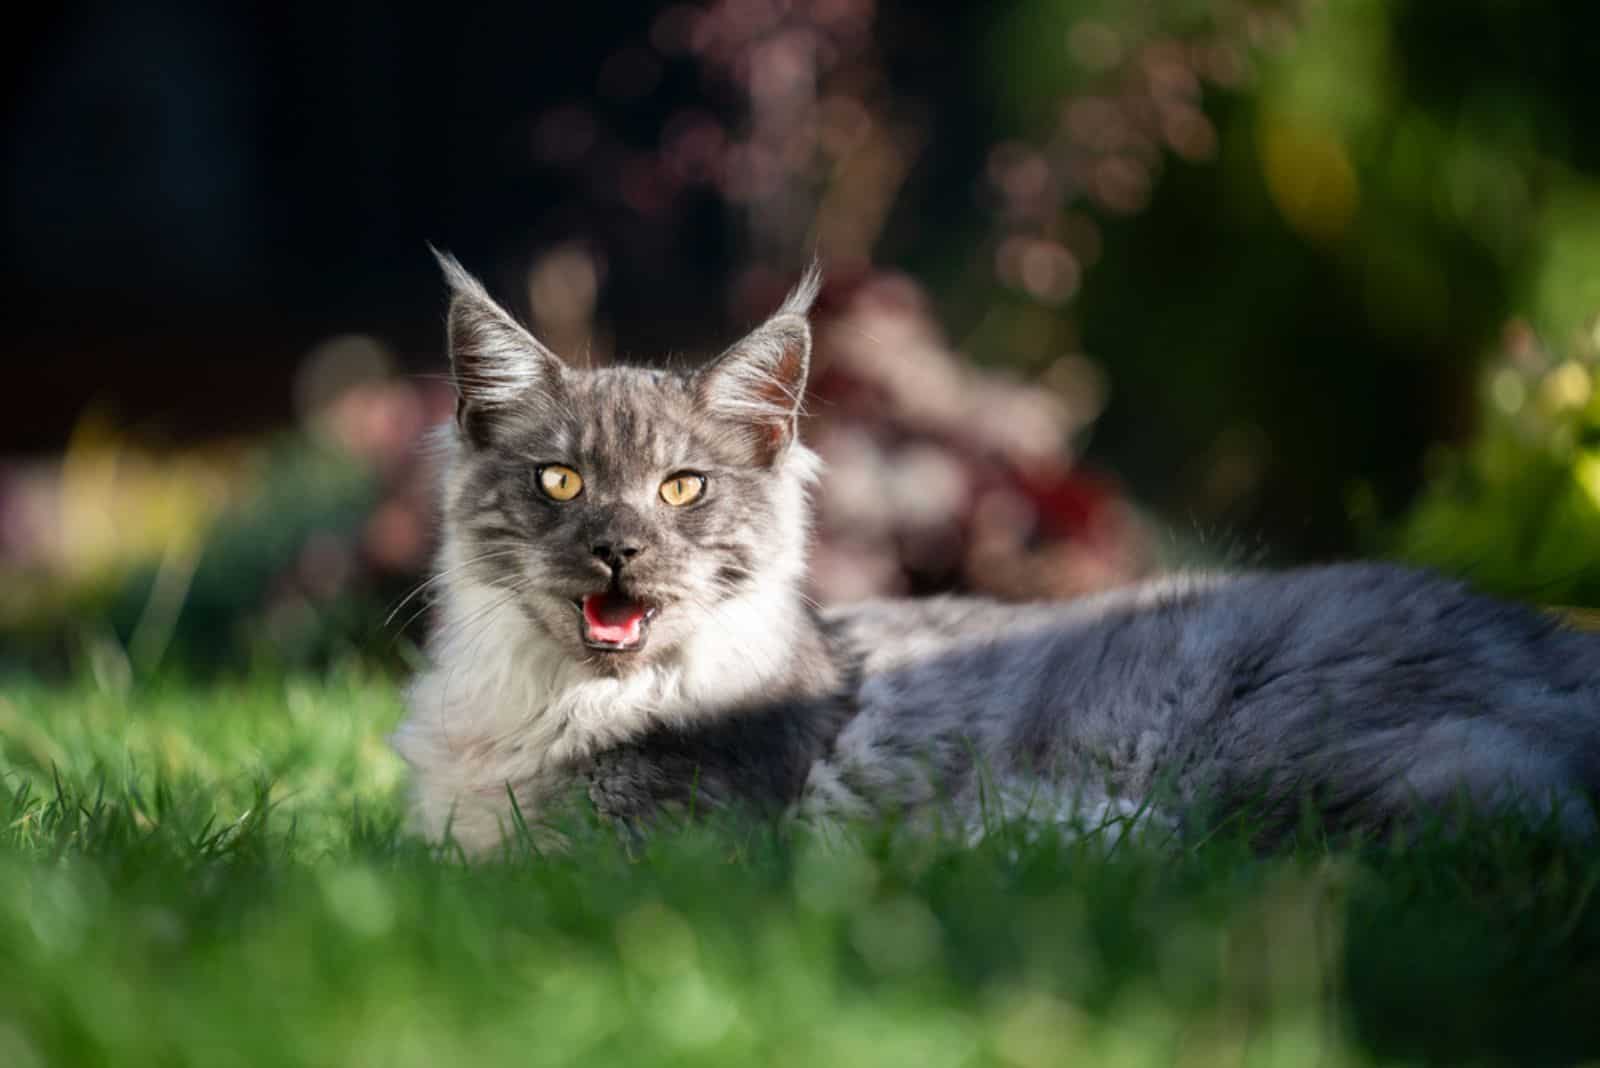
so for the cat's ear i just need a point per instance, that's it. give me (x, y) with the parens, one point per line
(758, 384)
(496, 363)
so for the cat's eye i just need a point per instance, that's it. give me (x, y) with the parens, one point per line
(683, 488)
(559, 482)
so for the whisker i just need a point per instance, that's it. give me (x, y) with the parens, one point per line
(486, 612)
(446, 573)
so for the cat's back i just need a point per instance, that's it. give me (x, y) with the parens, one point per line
(896, 634)
(1383, 618)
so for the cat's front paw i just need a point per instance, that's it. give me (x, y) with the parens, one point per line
(619, 786)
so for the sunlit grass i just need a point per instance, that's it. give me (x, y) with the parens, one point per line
(215, 875)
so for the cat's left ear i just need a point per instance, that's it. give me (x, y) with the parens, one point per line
(758, 384)
(498, 366)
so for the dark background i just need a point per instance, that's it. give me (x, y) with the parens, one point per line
(1294, 241)
(196, 193)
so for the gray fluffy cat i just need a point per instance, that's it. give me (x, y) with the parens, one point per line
(619, 610)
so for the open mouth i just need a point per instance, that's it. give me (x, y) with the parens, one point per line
(612, 622)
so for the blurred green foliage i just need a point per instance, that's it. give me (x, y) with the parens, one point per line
(1518, 511)
(268, 576)
(252, 598)
(1296, 322)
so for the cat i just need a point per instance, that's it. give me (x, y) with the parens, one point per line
(620, 611)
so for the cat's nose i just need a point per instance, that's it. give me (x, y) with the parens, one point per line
(614, 554)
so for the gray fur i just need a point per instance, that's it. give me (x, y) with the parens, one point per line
(1364, 688)
(1370, 691)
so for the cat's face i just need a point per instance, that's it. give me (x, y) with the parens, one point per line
(620, 509)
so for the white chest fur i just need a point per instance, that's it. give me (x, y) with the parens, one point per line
(505, 711)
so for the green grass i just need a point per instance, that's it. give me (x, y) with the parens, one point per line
(216, 875)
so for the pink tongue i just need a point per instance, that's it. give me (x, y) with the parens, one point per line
(611, 619)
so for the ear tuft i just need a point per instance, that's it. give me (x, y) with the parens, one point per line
(804, 293)
(496, 363)
(757, 386)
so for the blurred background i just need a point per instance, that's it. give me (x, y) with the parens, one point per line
(1113, 286)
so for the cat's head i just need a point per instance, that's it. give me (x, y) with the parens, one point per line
(627, 510)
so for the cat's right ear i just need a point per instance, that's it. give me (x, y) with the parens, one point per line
(757, 386)
(496, 363)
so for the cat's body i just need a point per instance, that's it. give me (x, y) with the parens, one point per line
(658, 651)
(1363, 689)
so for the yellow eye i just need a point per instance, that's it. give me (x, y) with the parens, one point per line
(683, 488)
(560, 483)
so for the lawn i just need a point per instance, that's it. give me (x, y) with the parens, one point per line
(215, 874)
